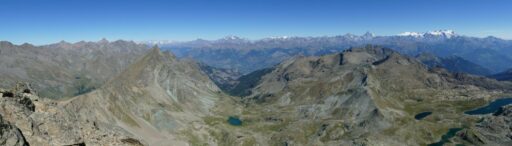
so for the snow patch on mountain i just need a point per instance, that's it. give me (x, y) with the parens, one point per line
(157, 42)
(437, 33)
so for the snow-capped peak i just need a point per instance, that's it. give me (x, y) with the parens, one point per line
(446, 33)
(157, 42)
(413, 34)
(279, 37)
(232, 37)
(368, 35)
(443, 33)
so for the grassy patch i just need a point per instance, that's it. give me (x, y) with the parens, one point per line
(193, 139)
(214, 120)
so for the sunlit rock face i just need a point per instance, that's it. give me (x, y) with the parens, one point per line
(361, 96)
(156, 98)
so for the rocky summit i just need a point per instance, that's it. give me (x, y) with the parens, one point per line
(27, 119)
(362, 96)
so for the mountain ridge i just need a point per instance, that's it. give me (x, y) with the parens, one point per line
(248, 56)
(64, 69)
(453, 64)
(503, 76)
(155, 98)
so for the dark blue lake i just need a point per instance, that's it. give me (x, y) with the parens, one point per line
(491, 107)
(422, 115)
(445, 138)
(234, 121)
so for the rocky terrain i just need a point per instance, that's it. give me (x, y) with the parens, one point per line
(226, 79)
(361, 96)
(157, 98)
(66, 69)
(27, 119)
(150, 103)
(493, 129)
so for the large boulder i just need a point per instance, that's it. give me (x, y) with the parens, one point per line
(10, 134)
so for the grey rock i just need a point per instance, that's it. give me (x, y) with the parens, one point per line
(46, 122)
(10, 135)
(495, 129)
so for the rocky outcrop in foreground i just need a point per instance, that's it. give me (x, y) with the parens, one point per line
(10, 134)
(495, 129)
(27, 119)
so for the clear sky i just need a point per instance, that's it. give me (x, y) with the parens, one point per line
(49, 21)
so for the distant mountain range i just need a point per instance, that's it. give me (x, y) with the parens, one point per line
(453, 64)
(68, 69)
(503, 76)
(245, 55)
(438, 33)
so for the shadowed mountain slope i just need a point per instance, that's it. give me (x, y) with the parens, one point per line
(453, 64)
(503, 76)
(65, 69)
(226, 79)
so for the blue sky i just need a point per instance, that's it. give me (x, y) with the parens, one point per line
(49, 21)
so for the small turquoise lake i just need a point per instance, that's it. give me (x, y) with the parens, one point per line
(234, 121)
(491, 107)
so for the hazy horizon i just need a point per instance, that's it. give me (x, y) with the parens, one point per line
(242, 37)
(46, 22)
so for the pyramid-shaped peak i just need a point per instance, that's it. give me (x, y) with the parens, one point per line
(156, 53)
(103, 41)
(149, 62)
(368, 34)
(155, 48)
(63, 42)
